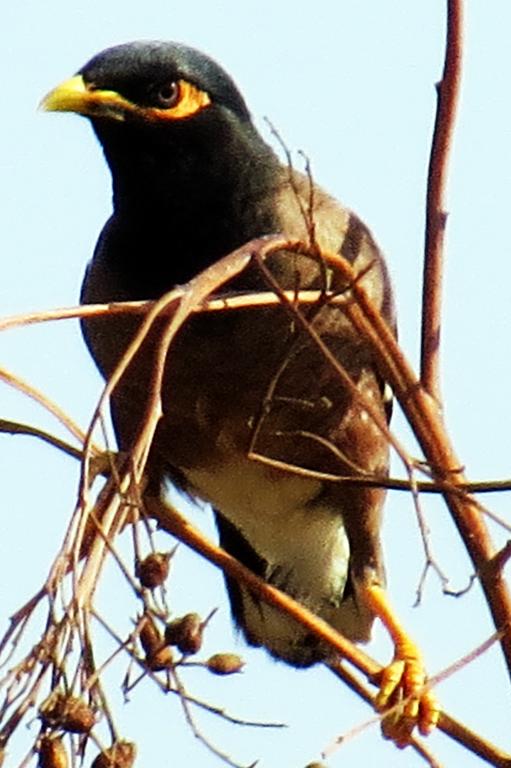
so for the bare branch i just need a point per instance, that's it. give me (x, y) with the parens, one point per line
(16, 428)
(448, 94)
(177, 525)
(16, 382)
(425, 418)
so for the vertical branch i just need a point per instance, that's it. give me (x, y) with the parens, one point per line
(436, 216)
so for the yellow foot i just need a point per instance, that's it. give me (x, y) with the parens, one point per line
(403, 697)
(402, 692)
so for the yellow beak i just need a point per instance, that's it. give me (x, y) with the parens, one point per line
(74, 95)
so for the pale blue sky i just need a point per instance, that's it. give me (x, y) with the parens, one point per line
(351, 84)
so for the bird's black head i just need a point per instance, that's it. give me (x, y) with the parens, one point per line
(152, 82)
(181, 146)
(151, 74)
(166, 114)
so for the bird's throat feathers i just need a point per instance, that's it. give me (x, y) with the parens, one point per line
(195, 188)
(156, 170)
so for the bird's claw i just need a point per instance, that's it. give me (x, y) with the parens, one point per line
(404, 695)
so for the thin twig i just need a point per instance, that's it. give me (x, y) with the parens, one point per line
(174, 523)
(124, 645)
(373, 412)
(358, 687)
(451, 727)
(170, 520)
(425, 418)
(17, 428)
(183, 698)
(447, 100)
(367, 480)
(430, 560)
(34, 394)
(227, 301)
(196, 293)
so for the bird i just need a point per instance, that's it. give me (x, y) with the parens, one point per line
(193, 180)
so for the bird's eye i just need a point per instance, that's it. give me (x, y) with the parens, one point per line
(168, 95)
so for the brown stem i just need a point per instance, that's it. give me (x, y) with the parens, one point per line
(357, 686)
(424, 415)
(170, 520)
(475, 743)
(17, 428)
(436, 216)
(457, 731)
(33, 393)
(7, 426)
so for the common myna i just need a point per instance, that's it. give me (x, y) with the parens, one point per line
(192, 181)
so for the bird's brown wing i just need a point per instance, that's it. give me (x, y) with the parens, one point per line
(254, 381)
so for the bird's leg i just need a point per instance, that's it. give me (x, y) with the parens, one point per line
(403, 682)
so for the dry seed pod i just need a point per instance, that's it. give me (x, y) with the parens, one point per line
(185, 633)
(52, 753)
(78, 717)
(120, 755)
(67, 712)
(153, 570)
(162, 659)
(150, 636)
(225, 663)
